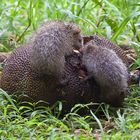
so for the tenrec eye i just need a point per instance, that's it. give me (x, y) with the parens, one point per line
(80, 40)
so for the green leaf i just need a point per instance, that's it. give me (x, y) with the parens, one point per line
(123, 24)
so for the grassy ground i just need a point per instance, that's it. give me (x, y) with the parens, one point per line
(118, 20)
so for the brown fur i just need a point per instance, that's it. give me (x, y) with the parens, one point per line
(23, 74)
(103, 42)
(51, 43)
(36, 68)
(108, 71)
(19, 76)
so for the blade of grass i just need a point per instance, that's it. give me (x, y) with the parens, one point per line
(97, 120)
(9, 99)
(123, 24)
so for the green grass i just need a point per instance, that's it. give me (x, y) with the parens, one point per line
(119, 21)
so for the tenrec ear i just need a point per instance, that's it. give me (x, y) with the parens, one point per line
(89, 49)
(72, 27)
(76, 32)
